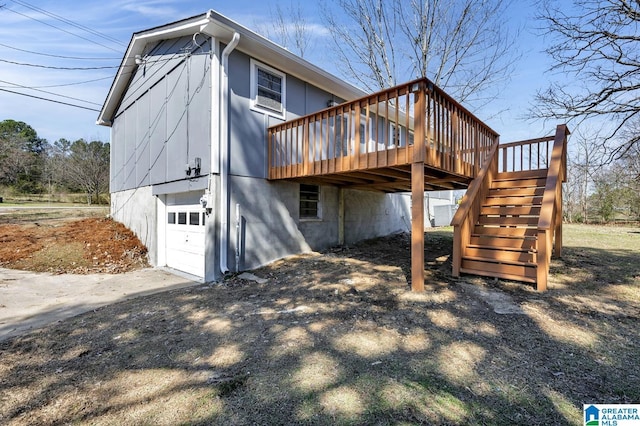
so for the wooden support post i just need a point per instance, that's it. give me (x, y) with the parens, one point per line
(543, 260)
(417, 226)
(340, 216)
(417, 193)
(558, 224)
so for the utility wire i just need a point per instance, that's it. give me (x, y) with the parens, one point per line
(61, 29)
(77, 83)
(49, 93)
(50, 100)
(59, 68)
(58, 56)
(70, 22)
(26, 64)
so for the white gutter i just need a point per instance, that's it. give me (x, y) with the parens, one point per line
(224, 152)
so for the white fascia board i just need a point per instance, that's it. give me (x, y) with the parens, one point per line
(222, 28)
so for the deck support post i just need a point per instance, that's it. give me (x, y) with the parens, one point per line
(558, 221)
(417, 227)
(340, 216)
(417, 190)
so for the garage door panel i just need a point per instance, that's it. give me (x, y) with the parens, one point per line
(185, 238)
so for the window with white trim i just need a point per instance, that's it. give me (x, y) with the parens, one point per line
(268, 89)
(398, 135)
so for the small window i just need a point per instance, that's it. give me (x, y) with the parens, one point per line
(309, 201)
(394, 135)
(204, 216)
(268, 89)
(194, 218)
(171, 218)
(182, 218)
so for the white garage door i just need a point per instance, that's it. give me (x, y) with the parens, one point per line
(185, 238)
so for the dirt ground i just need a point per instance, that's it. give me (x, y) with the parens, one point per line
(63, 245)
(338, 338)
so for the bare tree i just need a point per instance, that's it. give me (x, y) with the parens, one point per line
(596, 44)
(365, 48)
(586, 162)
(86, 167)
(461, 45)
(289, 28)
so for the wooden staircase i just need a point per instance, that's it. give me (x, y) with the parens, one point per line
(511, 216)
(503, 241)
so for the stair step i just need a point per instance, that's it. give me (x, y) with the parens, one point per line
(510, 210)
(499, 255)
(518, 272)
(527, 174)
(516, 192)
(508, 220)
(526, 279)
(522, 248)
(519, 183)
(522, 243)
(504, 231)
(512, 201)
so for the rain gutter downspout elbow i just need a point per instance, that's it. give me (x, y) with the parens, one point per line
(224, 153)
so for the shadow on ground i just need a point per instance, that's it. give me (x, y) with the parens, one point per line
(337, 338)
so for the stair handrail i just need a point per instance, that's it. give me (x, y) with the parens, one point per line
(550, 220)
(470, 205)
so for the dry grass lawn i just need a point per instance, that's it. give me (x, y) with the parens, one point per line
(337, 338)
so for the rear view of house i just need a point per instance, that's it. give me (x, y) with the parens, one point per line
(189, 112)
(228, 152)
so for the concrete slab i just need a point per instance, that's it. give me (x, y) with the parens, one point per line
(31, 300)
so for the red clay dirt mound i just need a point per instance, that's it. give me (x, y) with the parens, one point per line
(85, 246)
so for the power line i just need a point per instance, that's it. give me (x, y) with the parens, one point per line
(58, 56)
(26, 64)
(49, 100)
(49, 93)
(69, 22)
(77, 83)
(59, 68)
(61, 29)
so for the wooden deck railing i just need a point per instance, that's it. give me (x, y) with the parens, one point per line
(379, 131)
(550, 221)
(469, 209)
(532, 154)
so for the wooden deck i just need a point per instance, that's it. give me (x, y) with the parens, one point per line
(372, 142)
(415, 137)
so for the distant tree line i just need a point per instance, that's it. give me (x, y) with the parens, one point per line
(598, 189)
(31, 165)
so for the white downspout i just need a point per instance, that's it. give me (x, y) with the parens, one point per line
(224, 153)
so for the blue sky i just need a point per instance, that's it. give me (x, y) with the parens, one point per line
(92, 36)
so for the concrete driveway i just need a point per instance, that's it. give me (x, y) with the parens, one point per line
(31, 300)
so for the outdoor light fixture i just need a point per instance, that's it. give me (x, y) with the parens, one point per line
(193, 167)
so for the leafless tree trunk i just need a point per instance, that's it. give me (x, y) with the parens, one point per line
(596, 44)
(587, 159)
(461, 45)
